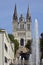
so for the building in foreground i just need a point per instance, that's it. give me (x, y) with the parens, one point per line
(6, 49)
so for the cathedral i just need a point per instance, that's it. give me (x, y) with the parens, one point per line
(22, 27)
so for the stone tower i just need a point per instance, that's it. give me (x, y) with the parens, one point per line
(28, 25)
(15, 20)
(22, 27)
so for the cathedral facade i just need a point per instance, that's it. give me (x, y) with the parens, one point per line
(22, 27)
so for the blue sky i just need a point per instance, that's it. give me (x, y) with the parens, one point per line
(7, 9)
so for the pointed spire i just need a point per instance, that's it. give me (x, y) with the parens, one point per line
(15, 13)
(28, 13)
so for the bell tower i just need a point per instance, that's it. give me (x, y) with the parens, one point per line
(15, 20)
(28, 24)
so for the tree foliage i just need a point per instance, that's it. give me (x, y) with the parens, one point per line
(16, 43)
(11, 37)
(41, 45)
(28, 45)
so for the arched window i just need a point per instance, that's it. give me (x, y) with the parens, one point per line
(22, 42)
(21, 26)
(28, 26)
(6, 47)
(5, 59)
